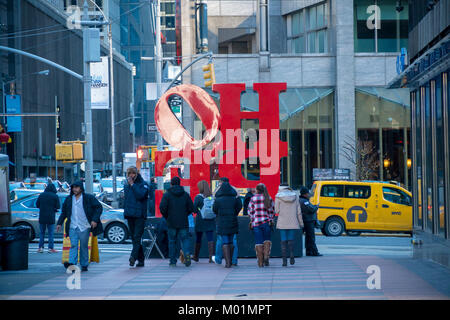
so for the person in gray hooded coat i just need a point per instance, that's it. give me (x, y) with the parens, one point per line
(290, 219)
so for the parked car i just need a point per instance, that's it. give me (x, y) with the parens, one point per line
(15, 185)
(363, 206)
(35, 185)
(107, 185)
(25, 212)
(20, 193)
(39, 179)
(98, 191)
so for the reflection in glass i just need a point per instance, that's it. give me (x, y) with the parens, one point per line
(428, 160)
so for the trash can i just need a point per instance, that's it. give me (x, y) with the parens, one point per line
(14, 247)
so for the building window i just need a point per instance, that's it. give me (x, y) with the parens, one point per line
(307, 29)
(380, 26)
(440, 160)
(383, 127)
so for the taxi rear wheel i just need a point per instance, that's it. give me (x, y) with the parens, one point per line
(334, 227)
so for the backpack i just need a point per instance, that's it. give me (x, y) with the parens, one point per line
(207, 210)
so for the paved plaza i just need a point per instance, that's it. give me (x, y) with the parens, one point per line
(342, 273)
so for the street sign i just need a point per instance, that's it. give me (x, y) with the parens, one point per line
(151, 128)
(331, 174)
(64, 151)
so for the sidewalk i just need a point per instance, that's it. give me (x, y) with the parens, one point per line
(327, 277)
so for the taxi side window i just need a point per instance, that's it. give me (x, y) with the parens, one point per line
(357, 192)
(30, 203)
(335, 191)
(396, 196)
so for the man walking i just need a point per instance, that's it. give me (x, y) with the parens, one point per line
(82, 211)
(135, 211)
(48, 204)
(176, 205)
(309, 215)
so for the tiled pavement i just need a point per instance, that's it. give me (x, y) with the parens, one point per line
(327, 277)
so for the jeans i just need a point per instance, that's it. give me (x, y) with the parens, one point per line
(136, 231)
(51, 230)
(174, 234)
(262, 233)
(219, 255)
(209, 236)
(76, 235)
(287, 234)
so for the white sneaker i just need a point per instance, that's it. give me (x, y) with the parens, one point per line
(40, 250)
(213, 258)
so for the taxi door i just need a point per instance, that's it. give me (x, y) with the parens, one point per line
(396, 208)
(330, 199)
(359, 207)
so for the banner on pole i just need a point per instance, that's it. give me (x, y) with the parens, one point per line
(13, 106)
(100, 84)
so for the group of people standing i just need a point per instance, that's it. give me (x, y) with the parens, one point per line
(219, 211)
(215, 212)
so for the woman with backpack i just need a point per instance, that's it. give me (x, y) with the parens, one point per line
(205, 221)
(261, 212)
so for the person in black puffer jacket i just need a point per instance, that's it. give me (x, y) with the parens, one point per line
(227, 206)
(48, 204)
(176, 205)
(135, 211)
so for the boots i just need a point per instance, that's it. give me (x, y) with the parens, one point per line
(284, 252)
(182, 256)
(267, 247)
(197, 251)
(259, 248)
(226, 249)
(211, 250)
(291, 251)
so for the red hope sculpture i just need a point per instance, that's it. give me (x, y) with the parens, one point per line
(230, 152)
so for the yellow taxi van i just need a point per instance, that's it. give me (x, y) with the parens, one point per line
(355, 207)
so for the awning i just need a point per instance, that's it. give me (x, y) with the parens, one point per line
(399, 96)
(292, 101)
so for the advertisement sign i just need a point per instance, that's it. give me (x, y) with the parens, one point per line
(331, 174)
(100, 84)
(13, 105)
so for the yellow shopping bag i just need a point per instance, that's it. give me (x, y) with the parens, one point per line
(92, 246)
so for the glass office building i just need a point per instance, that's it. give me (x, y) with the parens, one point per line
(427, 78)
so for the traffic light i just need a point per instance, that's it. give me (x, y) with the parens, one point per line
(153, 150)
(142, 154)
(209, 74)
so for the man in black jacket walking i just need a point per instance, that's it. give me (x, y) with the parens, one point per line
(176, 205)
(83, 212)
(48, 204)
(309, 215)
(135, 211)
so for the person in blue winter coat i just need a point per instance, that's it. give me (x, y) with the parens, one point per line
(135, 211)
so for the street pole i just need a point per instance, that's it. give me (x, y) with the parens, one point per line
(87, 104)
(158, 55)
(132, 110)
(114, 203)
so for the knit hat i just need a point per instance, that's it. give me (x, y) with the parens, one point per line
(303, 190)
